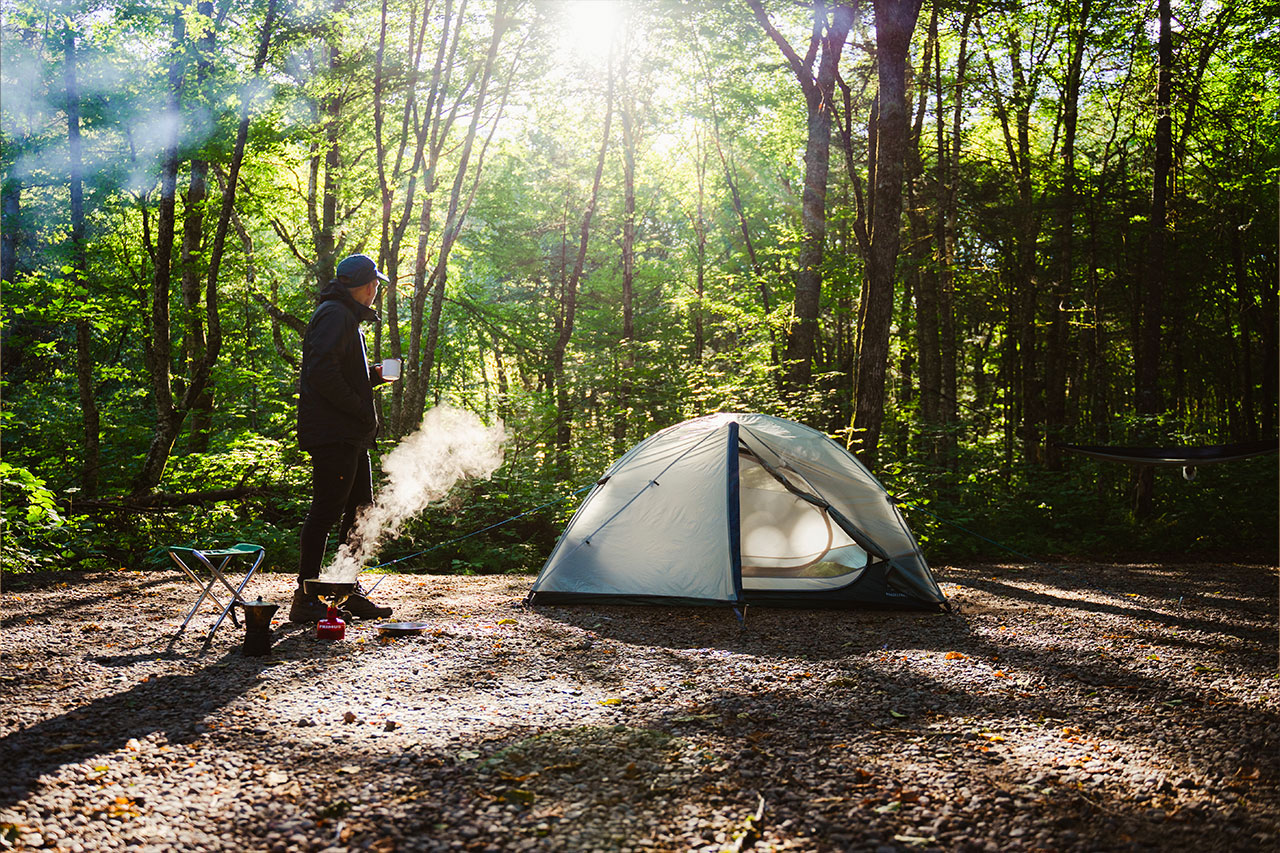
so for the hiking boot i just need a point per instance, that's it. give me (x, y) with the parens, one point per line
(362, 608)
(309, 608)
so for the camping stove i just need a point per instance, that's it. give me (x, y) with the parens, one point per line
(332, 593)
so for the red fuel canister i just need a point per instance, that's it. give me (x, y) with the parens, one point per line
(331, 627)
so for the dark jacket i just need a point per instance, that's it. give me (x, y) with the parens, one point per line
(335, 389)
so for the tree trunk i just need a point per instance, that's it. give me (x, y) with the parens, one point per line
(946, 240)
(331, 107)
(432, 132)
(818, 85)
(10, 227)
(926, 269)
(627, 117)
(392, 176)
(744, 228)
(90, 420)
(1155, 269)
(194, 344)
(1056, 354)
(570, 296)
(895, 22)
(458, 207)
(170, 415)
(700, 247)
(160, 349)
(1244, 312)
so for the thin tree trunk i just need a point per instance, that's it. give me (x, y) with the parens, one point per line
(895, 22)
(766, 301)
(326, 238)
(194, 343)
(170, 415)
(925, 273)
(90, 420)
(570, 296)
(818, 85)
(1064, 288)
(947, 240)
(950, 163)
(434, 131)
(160, 350)
(10, 227)
(627, 117)
(700, 247)
(458, 207)
(1155, 269)
(1244, 310)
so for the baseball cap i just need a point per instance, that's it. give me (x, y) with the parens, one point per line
(357, 271)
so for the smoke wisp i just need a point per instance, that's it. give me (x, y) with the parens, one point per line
(449, 445)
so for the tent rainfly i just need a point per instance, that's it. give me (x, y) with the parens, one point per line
(738, 509)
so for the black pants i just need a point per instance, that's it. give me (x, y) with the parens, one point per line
(341, 483)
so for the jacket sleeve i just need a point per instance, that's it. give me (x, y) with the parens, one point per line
(329, 339)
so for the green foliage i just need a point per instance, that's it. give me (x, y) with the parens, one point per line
(36, 532)
(712, 107)
(993, 512)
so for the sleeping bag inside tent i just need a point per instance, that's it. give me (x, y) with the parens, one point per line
(733, 509)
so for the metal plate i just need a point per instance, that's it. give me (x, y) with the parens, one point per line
(402, 629)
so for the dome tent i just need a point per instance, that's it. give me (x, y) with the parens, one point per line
(738, 508)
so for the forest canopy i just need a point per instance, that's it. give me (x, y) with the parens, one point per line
(951, 235)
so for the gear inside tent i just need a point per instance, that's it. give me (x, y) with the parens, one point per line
(733, 509)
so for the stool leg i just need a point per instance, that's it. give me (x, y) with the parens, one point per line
(206, 591)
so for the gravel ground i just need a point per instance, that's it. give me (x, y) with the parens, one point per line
(1068, 707)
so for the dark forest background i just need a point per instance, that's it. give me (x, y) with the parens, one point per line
(952, 235)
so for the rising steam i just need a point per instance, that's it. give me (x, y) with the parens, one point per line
(451, 444)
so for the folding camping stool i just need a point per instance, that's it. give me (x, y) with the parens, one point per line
(207, 568)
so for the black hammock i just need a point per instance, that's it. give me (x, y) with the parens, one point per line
(1184, 456)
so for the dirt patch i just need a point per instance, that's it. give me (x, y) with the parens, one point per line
(1059, 707)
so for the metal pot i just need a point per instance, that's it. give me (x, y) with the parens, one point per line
(334, 592)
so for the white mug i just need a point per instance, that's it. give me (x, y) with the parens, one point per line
(391, 369)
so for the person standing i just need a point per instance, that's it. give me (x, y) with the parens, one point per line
(337, 425)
